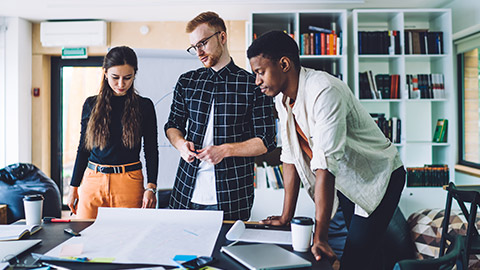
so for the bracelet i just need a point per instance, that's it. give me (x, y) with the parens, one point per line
(152, 190)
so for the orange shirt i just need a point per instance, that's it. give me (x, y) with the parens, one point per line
(302, 139)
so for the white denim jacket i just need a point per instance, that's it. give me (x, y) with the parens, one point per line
(344, 139)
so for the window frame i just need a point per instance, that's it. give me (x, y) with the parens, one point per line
(461, 115)
(57, 63)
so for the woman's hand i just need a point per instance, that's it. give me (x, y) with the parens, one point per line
(73, 200)
(149, 199)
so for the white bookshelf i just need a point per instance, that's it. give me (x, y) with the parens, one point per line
(270, 201)
(418, 117)
(296, 23)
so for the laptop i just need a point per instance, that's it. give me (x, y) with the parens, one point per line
(265, 256)
(10, 249)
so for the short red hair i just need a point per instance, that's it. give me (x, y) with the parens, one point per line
(210, 18)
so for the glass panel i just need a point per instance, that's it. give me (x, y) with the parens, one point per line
(2, 94)
(78, 83)
(471, 119)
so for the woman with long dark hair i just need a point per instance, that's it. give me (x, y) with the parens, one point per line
(107, 167)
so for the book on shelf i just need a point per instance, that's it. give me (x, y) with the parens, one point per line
(17, 232)
(425, 86)
(423, 41)
(268, 177)
(379, 42)
(435, 175)
(319, 29)
(391, 128)
(271, 178)
(380, 86)
(316, 43)
(441, 131)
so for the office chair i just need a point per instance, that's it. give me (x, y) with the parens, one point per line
(472, 239)
(454, 257)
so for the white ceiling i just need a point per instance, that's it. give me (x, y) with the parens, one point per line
(182, 10)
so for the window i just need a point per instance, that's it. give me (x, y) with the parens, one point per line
(73, 80)
(469, 100)
(2, 93)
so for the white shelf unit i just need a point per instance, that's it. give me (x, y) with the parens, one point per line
(296, 23)
(270, 201)
(418, 117)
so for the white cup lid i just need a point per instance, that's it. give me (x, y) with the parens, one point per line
(33, 197)
(302, 221)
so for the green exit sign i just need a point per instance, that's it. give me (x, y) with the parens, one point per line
(74, 53)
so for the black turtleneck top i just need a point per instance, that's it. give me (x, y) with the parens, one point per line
(115, 153)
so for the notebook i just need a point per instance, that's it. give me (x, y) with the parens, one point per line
(16, 232)
(9, 249)
(265, 256)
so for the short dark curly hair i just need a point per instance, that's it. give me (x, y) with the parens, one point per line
(275, 45)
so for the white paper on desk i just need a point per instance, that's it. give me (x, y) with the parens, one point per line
(239, 232)
(151, 236)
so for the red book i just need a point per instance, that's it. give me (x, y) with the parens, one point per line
(322, 43)
(334, 39)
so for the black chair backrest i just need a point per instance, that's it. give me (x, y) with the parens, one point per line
(462, 197)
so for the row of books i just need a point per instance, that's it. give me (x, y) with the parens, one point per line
(391, 128)
(428, 176)
(441, 131)
(379, 42)
(422, 41)
(425, 86)
(320, 44)
(382, 86)
(268, 176)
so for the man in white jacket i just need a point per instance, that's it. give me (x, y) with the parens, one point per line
(332, 145)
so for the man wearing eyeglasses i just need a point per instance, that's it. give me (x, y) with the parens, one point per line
(229, 123)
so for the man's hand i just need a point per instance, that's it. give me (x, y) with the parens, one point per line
(322, 248)
(275, 221)
(187, 151)
(213, 154)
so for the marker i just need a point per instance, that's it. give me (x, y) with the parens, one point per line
(74, 205)
(51, 219)
(71, 232)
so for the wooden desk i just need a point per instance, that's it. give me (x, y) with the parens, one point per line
(52, 235)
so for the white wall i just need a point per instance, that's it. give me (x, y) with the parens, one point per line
(18, 82)
(465, 21)
(464, 14)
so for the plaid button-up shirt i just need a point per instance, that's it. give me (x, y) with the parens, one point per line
(241, 112)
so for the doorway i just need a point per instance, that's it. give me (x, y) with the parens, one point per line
(73, 80)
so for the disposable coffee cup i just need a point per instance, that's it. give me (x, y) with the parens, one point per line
(301, 233)
(33, 205)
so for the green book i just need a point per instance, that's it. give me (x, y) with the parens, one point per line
(439, 134)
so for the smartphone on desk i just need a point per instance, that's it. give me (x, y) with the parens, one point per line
(198, 263)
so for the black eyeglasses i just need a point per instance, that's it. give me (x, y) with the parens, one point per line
(200, 45)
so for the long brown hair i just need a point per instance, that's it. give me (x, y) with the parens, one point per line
(98, 132)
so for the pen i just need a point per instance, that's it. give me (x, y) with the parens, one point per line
(74, 205)
(71, 232)
(51, 219)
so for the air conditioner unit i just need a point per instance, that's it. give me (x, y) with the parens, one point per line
(73, 33)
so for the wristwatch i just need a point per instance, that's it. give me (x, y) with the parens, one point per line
(152, 190)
